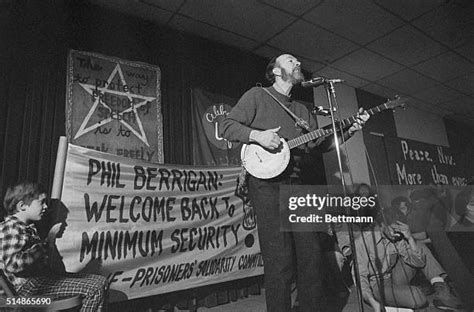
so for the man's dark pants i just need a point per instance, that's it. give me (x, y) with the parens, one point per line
(283, 251)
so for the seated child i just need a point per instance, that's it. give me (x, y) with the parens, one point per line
(23, 256)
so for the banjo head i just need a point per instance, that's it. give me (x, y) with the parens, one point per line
(263, 163)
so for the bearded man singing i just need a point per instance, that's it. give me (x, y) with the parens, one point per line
(259, 118)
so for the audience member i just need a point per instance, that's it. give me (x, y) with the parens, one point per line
(428, 213)
(388, 257)
(461, 234)
(23, 256)
(364, 189)
(444, 198)
(464, 207)
(399, 210)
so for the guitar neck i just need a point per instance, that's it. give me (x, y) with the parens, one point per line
(305, 138)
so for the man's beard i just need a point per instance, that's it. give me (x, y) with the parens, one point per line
(294, 77)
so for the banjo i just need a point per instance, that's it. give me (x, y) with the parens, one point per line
(266, 164)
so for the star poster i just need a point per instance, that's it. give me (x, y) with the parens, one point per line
(114, 106)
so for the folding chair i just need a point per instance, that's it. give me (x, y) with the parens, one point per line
(8, 291)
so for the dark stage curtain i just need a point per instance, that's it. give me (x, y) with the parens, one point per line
(32, 91)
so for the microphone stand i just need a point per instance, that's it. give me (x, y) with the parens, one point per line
(331, 95)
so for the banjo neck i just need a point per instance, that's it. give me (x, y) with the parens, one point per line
(316, 134)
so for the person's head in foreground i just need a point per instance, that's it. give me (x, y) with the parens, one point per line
(26, 201)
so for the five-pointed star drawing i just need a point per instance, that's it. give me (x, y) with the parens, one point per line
(133, 107)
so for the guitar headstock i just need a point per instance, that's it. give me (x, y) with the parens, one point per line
(396, 102)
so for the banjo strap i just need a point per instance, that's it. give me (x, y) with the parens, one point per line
(299, 121)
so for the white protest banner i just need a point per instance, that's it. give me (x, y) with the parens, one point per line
(154, 228)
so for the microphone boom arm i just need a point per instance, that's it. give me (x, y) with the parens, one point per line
(319, 81)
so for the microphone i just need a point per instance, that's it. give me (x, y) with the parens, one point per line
(318, 81)
(321, 111)
(314, 82)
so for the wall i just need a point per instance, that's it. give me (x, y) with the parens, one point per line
(355, 165)
(410, 123)
(422, 126)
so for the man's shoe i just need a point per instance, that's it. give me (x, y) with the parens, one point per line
(443, 299)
